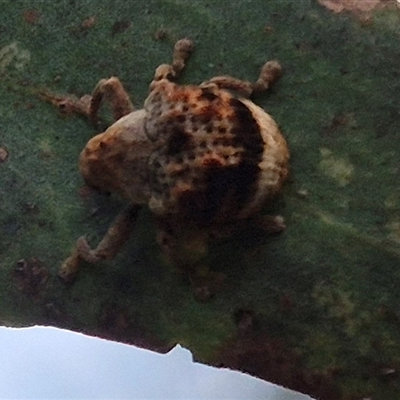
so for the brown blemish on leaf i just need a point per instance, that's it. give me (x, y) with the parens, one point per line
(205, 287)
(116, 323)
(286, 303)
(393, 227)
(269, 358)
(3, 155)
(31, 16)
(85, 192)
(355, 6)
(88, 23)
(161, 34)
(244, 320)
(30, 208)
(30, 277)
(268, 29)
(113, 319)
(341, 120)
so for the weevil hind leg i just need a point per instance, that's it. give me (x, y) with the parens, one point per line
(271, 224)
(182, 50)
(107, 249)
(270, 73)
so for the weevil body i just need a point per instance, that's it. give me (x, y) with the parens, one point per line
(200, 157)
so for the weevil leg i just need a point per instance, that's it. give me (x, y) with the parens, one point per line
(107, 249)
(182, 244)
(270, 73)
(271, 224)
(182, 50)
(113, 91)
(68, 104)
(186, 247)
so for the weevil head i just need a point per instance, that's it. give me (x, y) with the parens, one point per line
(116, 160)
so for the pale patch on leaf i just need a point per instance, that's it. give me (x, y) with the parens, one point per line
(362, 6)
(335, 167)
(392, 201)
(13, 54)
(393, 227)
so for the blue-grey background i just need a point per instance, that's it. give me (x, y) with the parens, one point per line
(49, 363)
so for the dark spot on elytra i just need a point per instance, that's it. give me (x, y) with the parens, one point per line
(178, 141)
(225, 188)
(247, 131)
(190, 156)
(222, 141)
(179, 159)
(207, 94)
(205, 118)
(209, 128)
(157, 164)
(180, 172)
(181, 119)
(228, 188)
(211, 162)
(162, 175)
(156, 97)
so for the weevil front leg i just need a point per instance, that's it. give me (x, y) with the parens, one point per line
(270, 73)
(182, 50)
(110, 89)
(68, 104)
(113, 91)
(107, 249)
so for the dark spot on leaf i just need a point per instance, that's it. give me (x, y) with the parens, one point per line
(161, 34)
(244, 320)
(120, 26)
(30, 208)
(270, 358)
(31, 16)
(30, 277)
